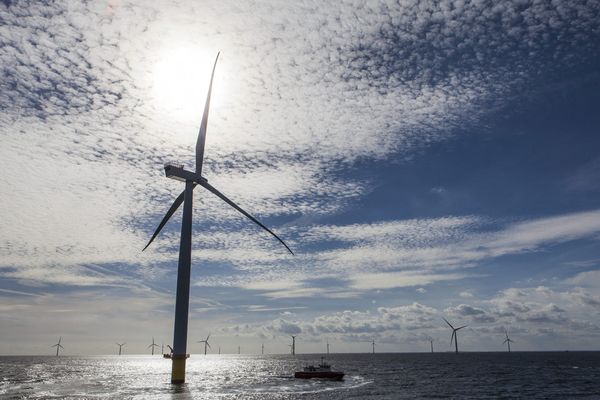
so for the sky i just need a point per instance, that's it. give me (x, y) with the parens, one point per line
(423, 159)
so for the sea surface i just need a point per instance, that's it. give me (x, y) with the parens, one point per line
(535, 375)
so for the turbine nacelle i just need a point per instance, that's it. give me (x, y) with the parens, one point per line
(178, 173)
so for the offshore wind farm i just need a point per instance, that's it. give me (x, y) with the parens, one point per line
(348, 183)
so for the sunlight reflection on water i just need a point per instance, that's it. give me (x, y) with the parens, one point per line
(380, 376)
(145, 377)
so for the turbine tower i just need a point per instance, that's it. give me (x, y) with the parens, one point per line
(152, 346)
(327, 346)
(507, 340)
(293, 345)
(454, 335)
(58, 346)
(431, 343)
(120, 346)
(205, 341)
(262, 349)
(239, 349)
(191, 179)
(373, 343)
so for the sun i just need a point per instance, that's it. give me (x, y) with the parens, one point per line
(181, 79)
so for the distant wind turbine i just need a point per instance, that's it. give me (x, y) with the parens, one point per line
(239, 349)
(219, 349)
(152, 346)
(327, 346)
(454, 335)
(120, 346)
(507, 340)
(262, 349)
(205, 341)
(58, 346)
(431, 343)
(293, 345)
(191, 179)
(373, 343)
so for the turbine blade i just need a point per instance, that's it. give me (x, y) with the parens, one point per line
(452, 337)
(464, 326)
(202, 133)
(449, 324)
(208, 344)
(210, 188)
(168, 215)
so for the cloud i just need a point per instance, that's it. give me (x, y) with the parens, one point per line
(586, 178)
(359, 258)
(350, 324)
(587, 278)
(473, 313)
(83, 128)
(303, 94)
(528, 313)
(388, 280)
(558, 311)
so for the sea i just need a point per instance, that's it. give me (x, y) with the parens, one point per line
(516, 375)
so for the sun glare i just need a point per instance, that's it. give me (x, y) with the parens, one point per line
(181, 79)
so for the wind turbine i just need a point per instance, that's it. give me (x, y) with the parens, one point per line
(430, 340)
(327, 346)
(239, 350)
(507, 340)
(373, 343)
(58, 346)
(191, 179)
(262, 349)
(454, 335)
(205, 341)
(293, 346)
(153, 345)
(120, 346)
(219, 350)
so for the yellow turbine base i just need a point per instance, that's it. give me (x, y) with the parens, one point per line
(178, 370)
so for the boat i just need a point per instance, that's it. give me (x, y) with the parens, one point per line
(167, 355)
(322, 371)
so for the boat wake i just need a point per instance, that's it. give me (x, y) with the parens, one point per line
(291, 385)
